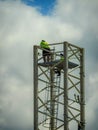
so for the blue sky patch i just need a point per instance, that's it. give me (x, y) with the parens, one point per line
(45, 6)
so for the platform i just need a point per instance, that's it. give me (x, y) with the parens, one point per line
(61, 64)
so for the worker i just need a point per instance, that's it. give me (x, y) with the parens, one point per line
(46, 52)
(60, 66)
(80, 126)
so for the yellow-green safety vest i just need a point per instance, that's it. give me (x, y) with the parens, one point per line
(44, 45)
(62, 58)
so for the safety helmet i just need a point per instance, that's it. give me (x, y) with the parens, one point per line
(61, 54)
(43, 40)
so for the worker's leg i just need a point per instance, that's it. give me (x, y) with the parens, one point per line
(45, 59)
(48, 58)
(48, 55)
(44, 56)
(58, 71)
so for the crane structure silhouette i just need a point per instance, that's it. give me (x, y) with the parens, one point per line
(59, 100)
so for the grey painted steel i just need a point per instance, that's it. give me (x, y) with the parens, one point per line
(82, 89)
(52, 123)
(65, 86)
(73, 83)
(35, 88)
(52, 99)
(70, 64)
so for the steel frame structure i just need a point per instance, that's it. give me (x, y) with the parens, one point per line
(58, 106)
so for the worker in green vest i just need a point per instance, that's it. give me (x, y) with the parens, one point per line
(46, 52)
(60, 66)
(80, 125)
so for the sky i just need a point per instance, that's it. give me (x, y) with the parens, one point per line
(24, 23)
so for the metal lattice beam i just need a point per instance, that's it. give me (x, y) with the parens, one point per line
(60, 100)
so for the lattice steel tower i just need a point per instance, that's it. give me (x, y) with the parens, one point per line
(59, 99)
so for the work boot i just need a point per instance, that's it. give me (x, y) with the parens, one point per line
(58, 73)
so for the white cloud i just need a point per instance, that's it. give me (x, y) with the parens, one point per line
(23, 26)
(92, 103)
(16, 103)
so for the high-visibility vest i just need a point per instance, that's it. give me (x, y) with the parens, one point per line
(44, 45)
(62, 58)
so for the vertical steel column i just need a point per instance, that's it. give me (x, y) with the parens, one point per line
(65, 86)
(52, 120)
(52, 100)
(35, 88)
(82, 90)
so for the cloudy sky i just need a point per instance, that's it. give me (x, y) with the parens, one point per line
(24, 23)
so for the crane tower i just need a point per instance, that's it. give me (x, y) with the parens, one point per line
(59, 100)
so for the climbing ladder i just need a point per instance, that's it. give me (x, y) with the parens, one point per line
(52, 107)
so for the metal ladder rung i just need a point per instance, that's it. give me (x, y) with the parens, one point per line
(56, 91)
